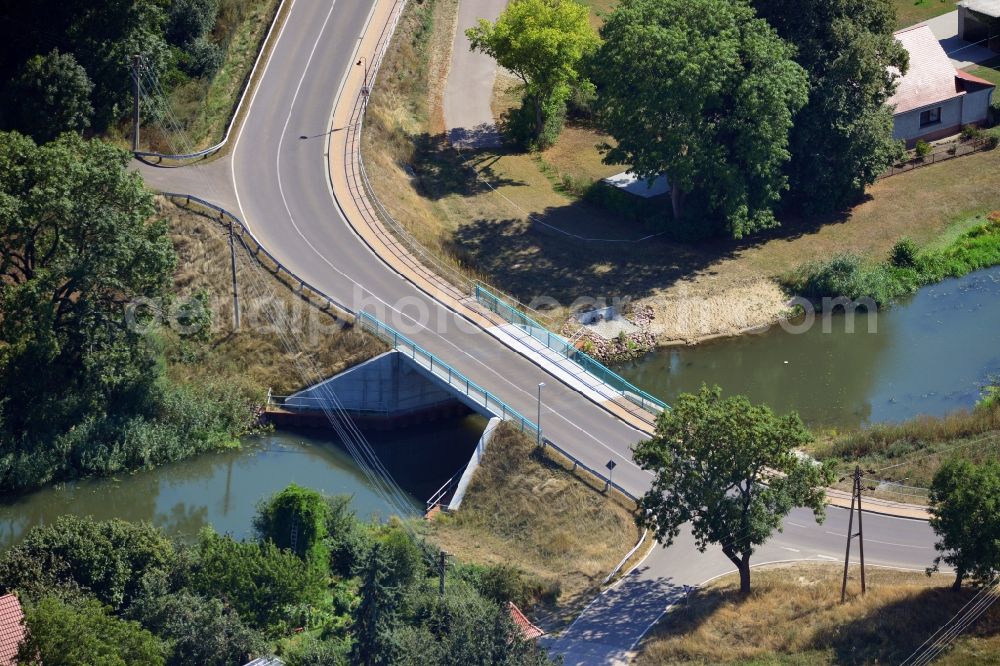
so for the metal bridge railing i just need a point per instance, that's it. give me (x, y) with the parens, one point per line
(563, 347)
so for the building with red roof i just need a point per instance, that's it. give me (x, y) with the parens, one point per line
(11, 629)
(934, 100)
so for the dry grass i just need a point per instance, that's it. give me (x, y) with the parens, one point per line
(793, 616)
(524, 507)
(256, 351)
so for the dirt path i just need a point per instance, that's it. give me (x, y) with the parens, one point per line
(469, 90)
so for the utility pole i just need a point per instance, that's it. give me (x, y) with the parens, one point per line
(236, 293)
(855, 496)
(136, 63)
(441, 567)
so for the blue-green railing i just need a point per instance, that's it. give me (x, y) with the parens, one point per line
(445, 372)
(563, 347)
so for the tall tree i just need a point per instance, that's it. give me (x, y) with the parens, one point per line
(200, 630)
(704, 92)
(77, 248)
(52, 94)
(107, 559)
(842, 139)
(102, 36)
(296, 518)
(376, 616)
(542, 42)
(965, 514)
(729, 468)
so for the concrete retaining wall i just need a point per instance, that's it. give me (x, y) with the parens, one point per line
(389, 384)
(474, 461)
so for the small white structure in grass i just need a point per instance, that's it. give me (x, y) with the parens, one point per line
(606, 323)
(640, 187)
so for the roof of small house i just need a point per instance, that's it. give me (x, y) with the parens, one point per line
(11, 629)
(987, 7)
(931, 77)
(528, 630)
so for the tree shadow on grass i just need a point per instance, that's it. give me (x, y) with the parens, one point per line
(440, 170)
(892, 632)
(582, 250)
(884, 634)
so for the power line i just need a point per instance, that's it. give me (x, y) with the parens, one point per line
(935, 453)
(352, 438)
(951, 629)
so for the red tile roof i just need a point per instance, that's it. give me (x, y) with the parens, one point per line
(931, 77)
(966, 76)
(528, 630)
(11, 629)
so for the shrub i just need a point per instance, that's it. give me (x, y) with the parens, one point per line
(904, 253)
(970, 132)
(260, 581)
(517, 125)
(204, 58)
(922, 149)
(502, 583)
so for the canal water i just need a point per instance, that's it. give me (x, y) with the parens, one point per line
(222, 489)
(931, 354)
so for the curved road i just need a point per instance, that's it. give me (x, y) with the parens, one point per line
(276, 178)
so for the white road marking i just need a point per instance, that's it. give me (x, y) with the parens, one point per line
(794, 550)
(884, 543)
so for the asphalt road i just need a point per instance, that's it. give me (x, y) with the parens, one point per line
(277, 182)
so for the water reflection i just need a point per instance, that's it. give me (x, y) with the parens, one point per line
(223, 489)
(930, 355)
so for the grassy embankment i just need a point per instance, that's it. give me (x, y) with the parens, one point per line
(695, 289)
(794, 617)
(914, 450)
(256, 353)
(525, 507)
(970, 244)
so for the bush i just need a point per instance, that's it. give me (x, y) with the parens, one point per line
(502, 583)
(517, 125)
(261, 582)
(922, 149)
(907, 270)
(970, 132)
(203, 58)
(904, 253)
(312, 651)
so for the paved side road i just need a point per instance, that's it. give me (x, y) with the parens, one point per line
(469, 89)
(609, 629)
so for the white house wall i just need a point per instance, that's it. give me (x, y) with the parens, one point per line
(906, 126)
(976, 106)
